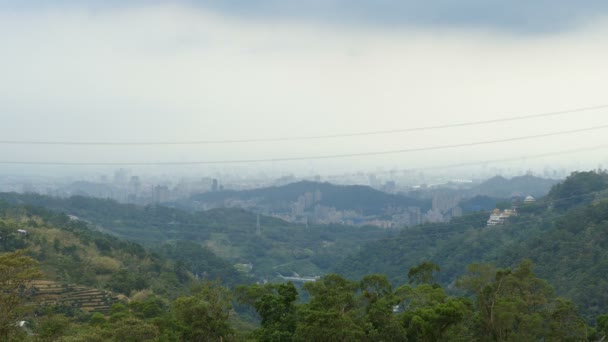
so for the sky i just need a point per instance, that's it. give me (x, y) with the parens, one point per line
(175, 71)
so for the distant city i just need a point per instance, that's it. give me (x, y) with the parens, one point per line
(439, 197)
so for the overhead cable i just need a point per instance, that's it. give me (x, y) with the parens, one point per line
(318, 157)
(300, 138)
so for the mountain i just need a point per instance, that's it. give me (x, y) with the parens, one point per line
(500, 187)
(564, 234)
(362, 199)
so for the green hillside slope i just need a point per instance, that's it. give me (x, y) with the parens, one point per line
(69, 252)
(564, 235)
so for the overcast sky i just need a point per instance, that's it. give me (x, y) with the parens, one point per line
(219, 70)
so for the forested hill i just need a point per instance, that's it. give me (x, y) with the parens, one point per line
(563, 234)
(342, 197)
(501, 187)
(149, 224)
(69, 252)
(277, 247)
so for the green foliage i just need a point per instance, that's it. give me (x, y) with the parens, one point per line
(569, 248)
(572, 255)
(510, 305)
(578, 189)
(204, 315)
(9, 238)
(215, 239)
(275, 303)
(149, 308)
(423, 273)
(427, 312)
(97, 319)
(566, 324)
(16, 272)
(124, 281)
(438, 243)
(602, 325)
(378, 303)
(518, 306)
(202, 262)
(71, 252)
(332, 313)
(132, 329)
(52, 327)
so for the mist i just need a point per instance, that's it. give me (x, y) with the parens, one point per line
(175, 73)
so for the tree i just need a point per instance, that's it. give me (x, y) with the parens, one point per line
(429, 314)
(204, 316)
(16, 272)
(378, 304)
(566, 324)
(132, 329)
(332, 313)
(52, 327)
(518, 306)
(423, 273)
(275, 303)
(602, 326)
(577, 189)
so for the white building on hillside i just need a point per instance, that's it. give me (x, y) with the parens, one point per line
(499, 217)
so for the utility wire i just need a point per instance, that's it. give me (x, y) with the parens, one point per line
(300, 138)
(333, 156)
(465, 164)
(493, 161)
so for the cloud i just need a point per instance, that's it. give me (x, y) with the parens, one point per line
(515, 16)
(173, 73)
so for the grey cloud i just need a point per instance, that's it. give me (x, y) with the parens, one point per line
(513, 16)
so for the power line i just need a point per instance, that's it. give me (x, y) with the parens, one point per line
(300, 138)
(492, 161)
(320, 157)
(474, 163)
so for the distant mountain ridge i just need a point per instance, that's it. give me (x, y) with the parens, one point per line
(501, 187)
(342, 197)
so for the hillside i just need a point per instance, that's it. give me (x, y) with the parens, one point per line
(232, 234)
(564, 235)
(84, 269)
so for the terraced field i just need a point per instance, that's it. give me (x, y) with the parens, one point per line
(88, 299)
